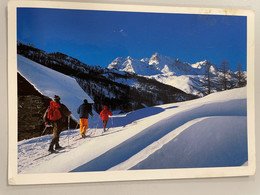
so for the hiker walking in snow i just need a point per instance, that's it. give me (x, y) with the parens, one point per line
(57, 114)
(104, 114)
(84, 110)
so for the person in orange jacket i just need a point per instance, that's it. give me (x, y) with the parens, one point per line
(104, 114)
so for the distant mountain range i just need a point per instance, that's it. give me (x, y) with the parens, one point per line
(159, 64)
(190, 78)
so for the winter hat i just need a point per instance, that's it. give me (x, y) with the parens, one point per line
(56, 98)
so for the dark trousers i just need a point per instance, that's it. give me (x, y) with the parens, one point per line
(105, 124)
(57, 128)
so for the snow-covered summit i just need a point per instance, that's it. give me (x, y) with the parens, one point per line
(182, 75)
(202, 66)
(167, 64)
(131, 65)
(159, 64)
(159, 61)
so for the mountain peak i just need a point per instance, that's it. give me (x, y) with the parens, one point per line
(155, 57)
(201, 64)
(129, 58)
(156, 54)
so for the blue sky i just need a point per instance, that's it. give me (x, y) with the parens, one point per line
(98, 37)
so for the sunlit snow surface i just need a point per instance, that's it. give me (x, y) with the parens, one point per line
(50, 83)
(207, 132)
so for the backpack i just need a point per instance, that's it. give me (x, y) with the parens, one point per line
(53, 112)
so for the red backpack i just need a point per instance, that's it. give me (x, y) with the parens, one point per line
(54, 113)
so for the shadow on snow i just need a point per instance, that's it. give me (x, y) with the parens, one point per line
(151, 134)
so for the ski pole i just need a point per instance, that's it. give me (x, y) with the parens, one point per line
(68, 129)
(90, 129)
(97, 123)
(46, 126)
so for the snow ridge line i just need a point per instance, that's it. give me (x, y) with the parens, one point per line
(30, 82)
(140, 141)
(143, 154)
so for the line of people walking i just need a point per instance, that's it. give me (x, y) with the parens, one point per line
(85, 110)
(57, 113)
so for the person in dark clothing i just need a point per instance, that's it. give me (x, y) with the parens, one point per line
(57, 115)
(84, 111)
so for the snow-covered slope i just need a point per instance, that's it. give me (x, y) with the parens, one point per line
(206, 132)
(188, 83)
(49, 83)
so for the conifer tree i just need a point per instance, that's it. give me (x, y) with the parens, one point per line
(240, 76)
(207, 77)
(223, 69)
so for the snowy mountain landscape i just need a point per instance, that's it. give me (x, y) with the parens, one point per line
(190, 78)
(123, 91)
(205, 132)
(209, 132)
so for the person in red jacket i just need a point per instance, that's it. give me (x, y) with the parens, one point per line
(104, 114)
(57, 114)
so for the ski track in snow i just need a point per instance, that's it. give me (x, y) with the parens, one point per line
(36, 149)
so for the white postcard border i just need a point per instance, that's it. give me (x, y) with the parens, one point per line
(26, 179)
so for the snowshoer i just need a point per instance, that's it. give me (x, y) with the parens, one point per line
(104, 114)
(84, 110)
(57, 114)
